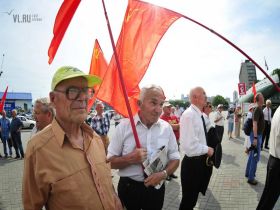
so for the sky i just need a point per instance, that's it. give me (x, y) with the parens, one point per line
(186, 57)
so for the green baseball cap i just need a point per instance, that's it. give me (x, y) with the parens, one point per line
(69, 72)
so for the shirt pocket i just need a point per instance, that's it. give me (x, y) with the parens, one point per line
(66, 192)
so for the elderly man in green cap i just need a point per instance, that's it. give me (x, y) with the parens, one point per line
(65, 164)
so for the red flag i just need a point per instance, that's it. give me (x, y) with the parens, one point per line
(62, 20)
(143, 27)
(254, 91)
(98, 67)
(2, 103)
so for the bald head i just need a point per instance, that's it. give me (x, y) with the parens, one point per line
(198, 97)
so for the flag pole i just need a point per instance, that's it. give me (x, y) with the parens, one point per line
(236, 47)
(138, 145)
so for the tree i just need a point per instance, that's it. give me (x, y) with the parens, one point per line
(180, 103)
(218, 99)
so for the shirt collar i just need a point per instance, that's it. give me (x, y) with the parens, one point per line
(60, 135)
(196, 109)
(137, 120)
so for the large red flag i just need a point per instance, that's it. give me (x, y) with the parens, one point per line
(143, 26)
(254, 91)
(62, 20)
(2, 103)
(98, 67)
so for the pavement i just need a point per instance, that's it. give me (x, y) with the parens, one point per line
(228, 188)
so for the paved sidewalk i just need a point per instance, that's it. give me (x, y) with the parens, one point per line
(228, 188)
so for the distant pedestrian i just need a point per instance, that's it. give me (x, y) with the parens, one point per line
(43, 114)
(193, 134)
(247, 142)
(256, 140)
(5, 134)
(219, 122)
(271, 190)
(267, 119)
(237, 121)
(101, 123)
(230, 118)
(16, 125)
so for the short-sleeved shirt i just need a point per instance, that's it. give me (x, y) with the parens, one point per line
(63, 176)
(172, 120)
(101, 125)
(5, 127)
(153, 138)
(16, 124)
(259, 117)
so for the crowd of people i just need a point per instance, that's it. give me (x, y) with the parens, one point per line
(68, 162)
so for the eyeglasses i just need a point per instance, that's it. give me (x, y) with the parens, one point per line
(73, 93)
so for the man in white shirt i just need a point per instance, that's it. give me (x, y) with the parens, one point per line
(134, 189)
(267, 125)
(219, 122)
(194, 145)
(271, 190)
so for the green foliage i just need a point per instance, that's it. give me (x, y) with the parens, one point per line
(218, 99)
(180, 103)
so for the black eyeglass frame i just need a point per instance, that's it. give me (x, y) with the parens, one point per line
(85, 90)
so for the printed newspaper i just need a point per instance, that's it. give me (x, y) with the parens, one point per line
(157, 163)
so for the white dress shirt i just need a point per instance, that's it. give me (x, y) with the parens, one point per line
(219, 115)
(274, 140)
(153, 138)
(192, 136)
(267, 114)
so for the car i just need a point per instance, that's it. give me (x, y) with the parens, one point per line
(26, 122)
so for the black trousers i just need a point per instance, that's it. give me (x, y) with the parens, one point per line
(135, 196)
(271, 190)
(220, 132)
(266, 133)
(16, 139)
(195, 177)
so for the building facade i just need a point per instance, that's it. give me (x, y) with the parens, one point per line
(18, 100)
(247, 73)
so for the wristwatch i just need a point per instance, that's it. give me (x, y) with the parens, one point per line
(165, 173)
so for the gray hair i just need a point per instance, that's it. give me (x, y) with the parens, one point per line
(14, 110)
(193, 93)
(147, 88)
(46, 105)
(268, 101)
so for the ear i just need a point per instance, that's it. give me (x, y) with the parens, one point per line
(139, 103)
(52, 96)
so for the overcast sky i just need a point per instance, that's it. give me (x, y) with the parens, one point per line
(187, 56)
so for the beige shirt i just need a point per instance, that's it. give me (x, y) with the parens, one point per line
(274, 140)
(60, 175)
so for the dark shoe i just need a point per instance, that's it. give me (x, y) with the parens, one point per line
(17, 157)
(173, 176)
(266, 147)
(6, 156)
(252, 182)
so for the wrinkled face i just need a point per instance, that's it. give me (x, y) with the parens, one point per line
(41, 115)
(167, 110)
(151, 106)
(268, 105)
(200, 98)
(14, 114)
(4, 113)
(69, 110)
(99, 109)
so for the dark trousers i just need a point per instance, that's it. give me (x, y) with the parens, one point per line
(220, 132)
(16, 138)
(266, 133)
(193, 180)
(135, 196)
(5, 141)
(271, 190)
